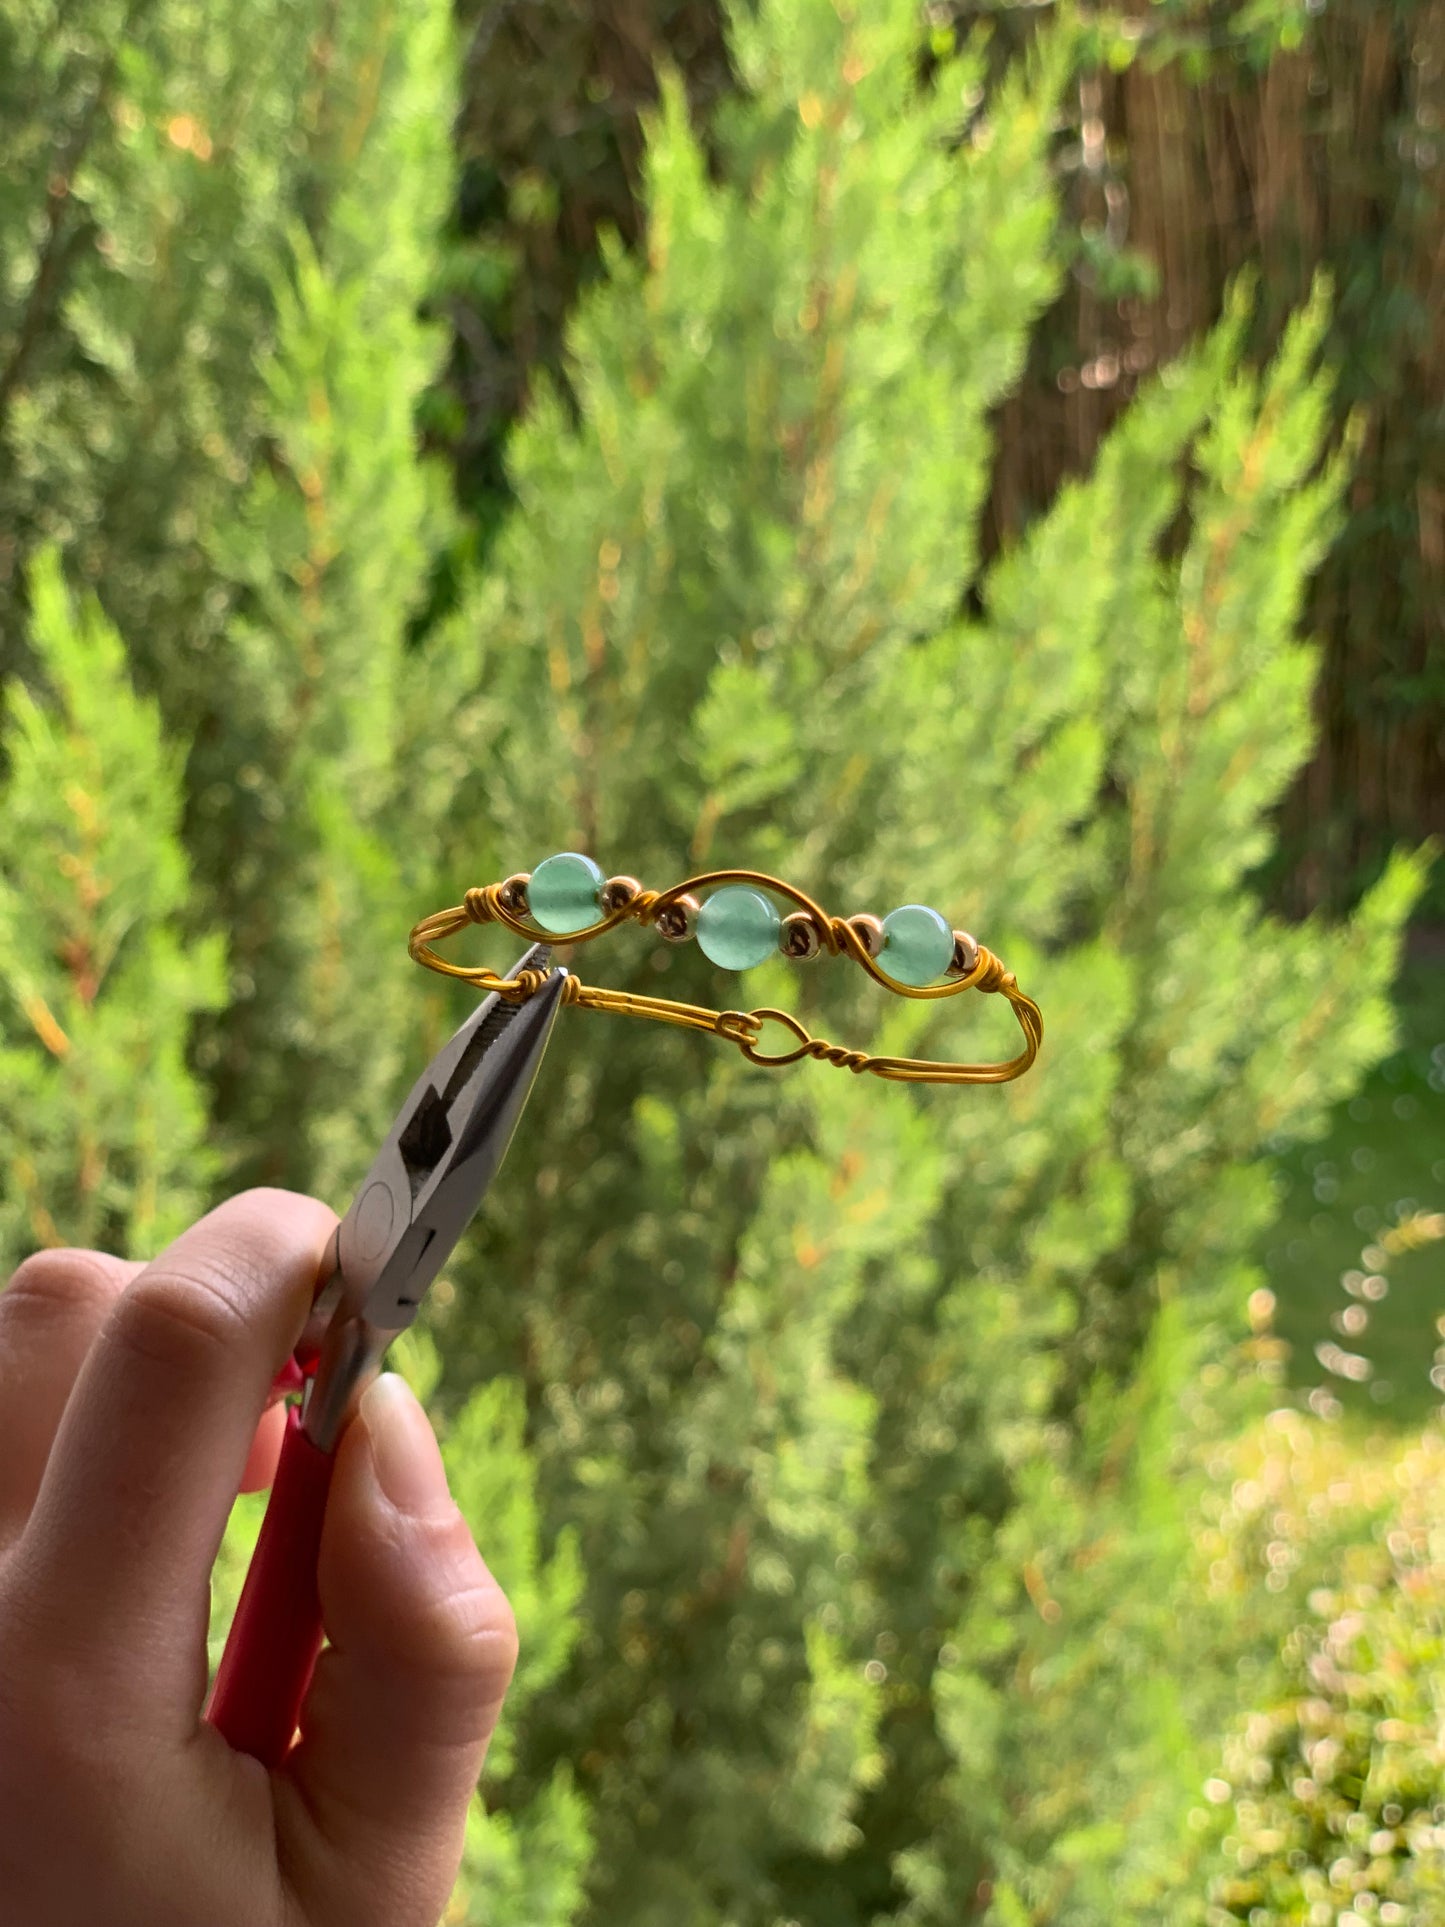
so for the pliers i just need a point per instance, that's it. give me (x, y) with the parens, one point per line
(414, 1203)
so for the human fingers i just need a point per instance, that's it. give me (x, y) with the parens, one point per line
(50, 1313)
(406, 1696)
(261, 1460)
(116, 1557)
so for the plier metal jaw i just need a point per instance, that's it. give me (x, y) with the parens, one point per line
(422, 1190)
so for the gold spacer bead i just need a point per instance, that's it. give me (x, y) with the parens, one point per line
(677, 920)
(618, 892)
(799, 938)
(965, 955)
(870, 930)
(513, 894)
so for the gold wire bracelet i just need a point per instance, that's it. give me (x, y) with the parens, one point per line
(566, 900)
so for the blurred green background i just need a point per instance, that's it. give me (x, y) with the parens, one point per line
(987, 457)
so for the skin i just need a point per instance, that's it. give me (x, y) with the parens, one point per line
(133, 1401)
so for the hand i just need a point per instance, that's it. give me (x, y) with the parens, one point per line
(131, 1403)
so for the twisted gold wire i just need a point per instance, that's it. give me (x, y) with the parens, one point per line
(837, 935)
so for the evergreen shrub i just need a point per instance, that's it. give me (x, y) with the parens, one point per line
(836, 1439)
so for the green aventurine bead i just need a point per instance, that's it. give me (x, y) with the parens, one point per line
(564, 891)
(917, 945)
(737, 928)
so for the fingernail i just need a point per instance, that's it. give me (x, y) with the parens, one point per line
(404, 1450)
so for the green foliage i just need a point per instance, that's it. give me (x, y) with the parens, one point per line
(1333, 112)
(333, 772)
(221, 428)
(218, 225)
(836, 1441)
(828, 1370)
(102, 1127)
(549, 143)
(1329, 1795)
(321, 807)
(151, 158)
(486, 1461)
(1332, 115)
(1346, 1256)
(526, 1867)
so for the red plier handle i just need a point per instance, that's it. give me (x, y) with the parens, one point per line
(276, 1634)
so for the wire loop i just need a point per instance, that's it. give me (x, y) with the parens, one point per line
(839, 936)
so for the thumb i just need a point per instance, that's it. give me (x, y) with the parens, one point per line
(404, 1699)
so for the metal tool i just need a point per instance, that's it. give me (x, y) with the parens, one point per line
(420, 1194)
